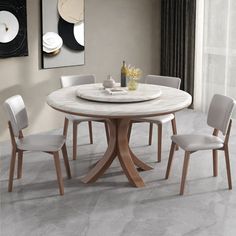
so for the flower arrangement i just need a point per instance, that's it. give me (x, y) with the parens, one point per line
(133, 72)
(133, 75)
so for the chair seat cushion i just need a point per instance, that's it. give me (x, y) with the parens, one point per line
(158, 119)
(43, 143)
(192, 142)
(82, 118)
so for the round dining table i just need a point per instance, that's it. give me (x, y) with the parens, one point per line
(118, 114)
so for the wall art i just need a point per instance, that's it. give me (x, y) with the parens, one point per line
(62, 33)
(13, 28)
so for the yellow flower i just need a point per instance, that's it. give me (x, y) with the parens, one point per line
(133, 72)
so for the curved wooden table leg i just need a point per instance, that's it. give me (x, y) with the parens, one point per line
(140, 164)
(118, 146)
(103, 164)
(124, 154)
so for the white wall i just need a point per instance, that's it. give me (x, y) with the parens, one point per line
(114, 30)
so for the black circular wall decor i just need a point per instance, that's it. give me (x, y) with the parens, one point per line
(66, 31)
(14, 45)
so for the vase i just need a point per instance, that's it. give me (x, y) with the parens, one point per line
(132, 84)
(109, 82)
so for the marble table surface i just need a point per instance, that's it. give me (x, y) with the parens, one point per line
(171, 100)
(96, 92)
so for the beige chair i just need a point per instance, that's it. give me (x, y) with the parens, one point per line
(219, 118)
(73, 80)
(172, 82)
(51, 144)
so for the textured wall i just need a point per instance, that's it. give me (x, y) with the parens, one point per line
(114, 30)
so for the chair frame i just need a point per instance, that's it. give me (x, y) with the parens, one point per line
(225, 148)
(75, 132)
(75, 123)
(159, 125)
(16, 150)
(159, 134)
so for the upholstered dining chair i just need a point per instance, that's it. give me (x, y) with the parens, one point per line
(73, 80)
(51, 144)
(219, 118)
(172, 82)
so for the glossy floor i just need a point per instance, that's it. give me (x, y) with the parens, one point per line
(111, 207)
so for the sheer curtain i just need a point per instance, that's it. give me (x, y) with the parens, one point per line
(215, 61)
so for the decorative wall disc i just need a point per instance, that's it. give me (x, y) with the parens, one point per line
(66, 31)
(9, 26)
(79, 33)
(52, 42)
(71, 11)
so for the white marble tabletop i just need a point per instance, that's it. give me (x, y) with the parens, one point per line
(171, 100)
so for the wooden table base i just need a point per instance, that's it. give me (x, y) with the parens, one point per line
(119, 147)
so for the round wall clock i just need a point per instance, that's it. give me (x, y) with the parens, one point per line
(13, 28)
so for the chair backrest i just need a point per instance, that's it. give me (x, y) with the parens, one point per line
(220, 111)
(16, 113)
(73, 80)
(172, 82)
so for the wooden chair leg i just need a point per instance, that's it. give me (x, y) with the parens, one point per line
(107, 132)
(227, 162)
(65, 129)
(20, 164)
(75, 128)
(215, 162)
(90, 132)
(130, 130)
(66, 161)
(174, 129)
(58, 171)
(150, 134)
(184, 172)
(171, 155)
(12, 170)
(159, 143)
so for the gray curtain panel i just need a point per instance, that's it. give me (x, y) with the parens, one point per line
(178, 41)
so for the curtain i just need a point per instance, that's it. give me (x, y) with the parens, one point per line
(178, 41)
(215, 52)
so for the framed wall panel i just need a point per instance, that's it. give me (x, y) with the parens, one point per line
(62, 33)
(13, 28)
